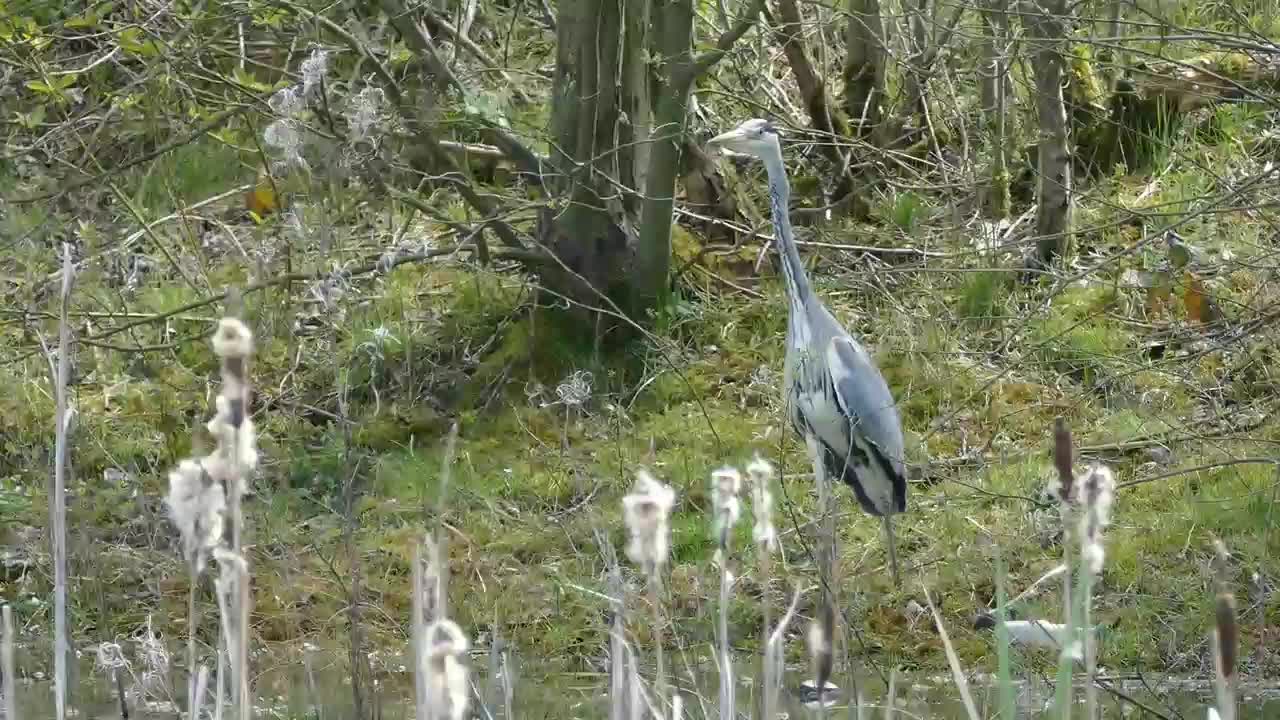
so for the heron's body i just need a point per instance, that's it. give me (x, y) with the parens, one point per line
(834, 392)
(836, 398)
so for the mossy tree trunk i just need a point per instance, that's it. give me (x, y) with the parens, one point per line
(916, 73)
(673, 37)
(995, 49)
(672, 34)
(590, 90)
(637, 105)
(864, 68)
(594, 98)
(1046, 25)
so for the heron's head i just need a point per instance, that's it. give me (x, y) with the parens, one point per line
(752, 137)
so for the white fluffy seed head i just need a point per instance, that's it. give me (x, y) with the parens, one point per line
(232, 339)
(196, 503)
(817, 636)
(313, 70)
(645, 511)
(1095, 556)
(1097, 490)
(244, 439)
(726, 483)
(760, 477)
(445, 672)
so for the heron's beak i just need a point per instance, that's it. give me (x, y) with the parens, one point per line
(726, 138)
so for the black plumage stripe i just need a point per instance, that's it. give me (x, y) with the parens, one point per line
(847, 469)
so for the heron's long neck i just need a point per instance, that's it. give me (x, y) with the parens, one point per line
(798, 290)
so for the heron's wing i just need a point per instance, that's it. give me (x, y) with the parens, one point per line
(864, 398)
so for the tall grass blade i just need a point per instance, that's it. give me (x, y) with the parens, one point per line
(957, 672)
(773, 659)
(8, 669)
(891, 696)
(1004, 668)
(722, 653)
(418, 632)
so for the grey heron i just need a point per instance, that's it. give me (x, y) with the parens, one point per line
(835, 396)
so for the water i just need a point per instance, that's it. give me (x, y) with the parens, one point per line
(284, 689)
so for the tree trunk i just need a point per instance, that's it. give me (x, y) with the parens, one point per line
(864, 69)
(672, 34)
(637, 105)
(995, 51)
(1046, 26)
(997, 115)
(589, 237)
(916, 74)
(673, 30)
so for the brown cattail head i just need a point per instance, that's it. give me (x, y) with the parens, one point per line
(1062, 458)
(1228, 634)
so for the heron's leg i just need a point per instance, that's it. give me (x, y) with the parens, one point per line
(827, 566)
(890, 545)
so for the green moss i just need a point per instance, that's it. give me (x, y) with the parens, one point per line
(981, 296)
(1076, 337)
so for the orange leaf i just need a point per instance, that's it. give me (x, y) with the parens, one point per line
(1194, 299)
(262, 199)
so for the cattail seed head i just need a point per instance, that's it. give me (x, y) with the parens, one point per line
(196, 504)
(645, 511)
(1094, 555)
(1098, 489)
(1099, 492)
(726, 483)
(313, 70)
(760, 475)
(232, 339)
(820, 636)
(445, 672)
(1228, 634)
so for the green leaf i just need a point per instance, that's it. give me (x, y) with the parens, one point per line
(32, 119)
(134, 42)
(86, 20)
(243, 77)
